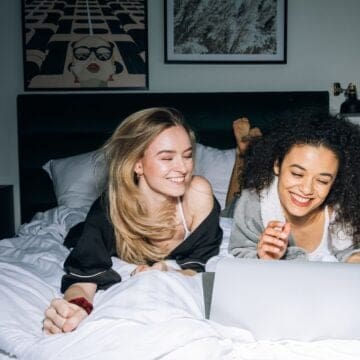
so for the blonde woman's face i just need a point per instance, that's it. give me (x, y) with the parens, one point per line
(306, 176)
(166, 167)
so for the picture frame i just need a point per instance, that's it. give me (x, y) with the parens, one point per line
(85, 45)
(203, 31)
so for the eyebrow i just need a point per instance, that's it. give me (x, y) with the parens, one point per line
(322, 174)
(172, 151)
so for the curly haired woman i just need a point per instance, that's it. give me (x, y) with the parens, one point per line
(300, 194)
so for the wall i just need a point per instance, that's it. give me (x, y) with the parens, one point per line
(322, 48)
(10, 85)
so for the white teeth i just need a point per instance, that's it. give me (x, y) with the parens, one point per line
(300, 198)
(177, 179)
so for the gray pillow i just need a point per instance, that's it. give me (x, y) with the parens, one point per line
(78, 180)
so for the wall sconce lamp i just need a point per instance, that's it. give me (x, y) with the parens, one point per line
(352, 104)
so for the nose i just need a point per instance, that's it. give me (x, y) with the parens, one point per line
(92, 55)
(181, 165)
(306, 186)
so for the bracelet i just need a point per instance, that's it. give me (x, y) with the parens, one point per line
(83, 303)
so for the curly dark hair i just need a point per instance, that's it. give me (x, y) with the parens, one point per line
(337, 134)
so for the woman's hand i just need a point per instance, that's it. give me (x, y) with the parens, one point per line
(274, 241)
(354, 259)
(62, 316)
(160, 265)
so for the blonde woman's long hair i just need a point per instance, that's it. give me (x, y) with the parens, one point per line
(135, 230)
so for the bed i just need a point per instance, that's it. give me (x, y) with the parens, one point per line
(154, 315)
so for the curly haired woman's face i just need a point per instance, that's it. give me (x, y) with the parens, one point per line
(306, 176)
(166, 167)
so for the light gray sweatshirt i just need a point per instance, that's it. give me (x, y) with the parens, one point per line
(248, 225)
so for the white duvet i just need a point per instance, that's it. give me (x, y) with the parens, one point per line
(153, 315)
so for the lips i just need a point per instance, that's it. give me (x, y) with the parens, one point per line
(300, 200)
(93, 68)
(177, 180)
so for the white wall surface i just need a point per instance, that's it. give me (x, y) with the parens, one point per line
(322, 48)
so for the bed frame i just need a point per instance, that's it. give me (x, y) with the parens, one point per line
(59, 125)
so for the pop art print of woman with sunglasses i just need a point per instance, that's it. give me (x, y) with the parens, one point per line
(93, 63)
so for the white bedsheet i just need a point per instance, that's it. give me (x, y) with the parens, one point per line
(153, 315)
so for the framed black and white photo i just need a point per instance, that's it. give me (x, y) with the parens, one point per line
(85, 44)
(225, 31)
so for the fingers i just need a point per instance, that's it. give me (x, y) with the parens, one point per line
(354, 259)
(61, 316)
(73, 322)
(243, 133)
(139, 269)
(61, 307)
(54, 318)
(286, 230)
(273, 241)
(271, 250)
(50, 328)
(161, 265)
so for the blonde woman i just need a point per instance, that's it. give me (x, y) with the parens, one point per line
(154, 210)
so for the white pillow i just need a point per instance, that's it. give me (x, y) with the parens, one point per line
(78, 180)
(215, 165)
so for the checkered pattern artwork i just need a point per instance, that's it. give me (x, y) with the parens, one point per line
(85, 44)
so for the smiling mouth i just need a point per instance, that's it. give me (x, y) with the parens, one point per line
(177, 180)
(300, 200)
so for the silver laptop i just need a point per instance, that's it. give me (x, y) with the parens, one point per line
(278, 300)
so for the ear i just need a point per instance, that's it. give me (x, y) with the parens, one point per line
(276, 168)
(138, 168)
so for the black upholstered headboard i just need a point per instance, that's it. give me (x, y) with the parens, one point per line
(60, 125)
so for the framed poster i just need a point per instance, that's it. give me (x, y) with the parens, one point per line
(85, 44)
(225, 31)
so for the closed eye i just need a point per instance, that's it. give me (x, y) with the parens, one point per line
(187, 154)
(324, 182)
